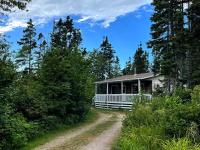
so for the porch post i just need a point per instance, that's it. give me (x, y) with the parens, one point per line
(107, 94)
(107, 88)
(139, 86)
(122, 85)
(95, 88)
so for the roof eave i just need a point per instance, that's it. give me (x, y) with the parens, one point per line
(101, 82)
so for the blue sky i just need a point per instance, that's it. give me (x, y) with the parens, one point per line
(126, 24)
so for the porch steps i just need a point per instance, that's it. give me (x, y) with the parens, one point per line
(114, 105)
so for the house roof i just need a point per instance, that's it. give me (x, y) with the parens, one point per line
(128, 77)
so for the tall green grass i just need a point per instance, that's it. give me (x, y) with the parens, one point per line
(165, 123)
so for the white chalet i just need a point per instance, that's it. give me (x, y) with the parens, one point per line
(120, 92)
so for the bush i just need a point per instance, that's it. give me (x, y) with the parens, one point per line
(141, 138)
(196, 94)
(26, 97)
(50, 122)
(180, 144)
(166, 122)
(183, 93)
(13, 129)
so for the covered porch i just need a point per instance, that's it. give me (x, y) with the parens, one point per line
(121, 94)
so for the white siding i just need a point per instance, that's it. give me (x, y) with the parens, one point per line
(157, 82)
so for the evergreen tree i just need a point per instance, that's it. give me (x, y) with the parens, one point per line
(140, 62)
(65, 36)
(128, 68)
(7, 71)
(108, 54)
(41, 49)
(156, 66)
(167, 44)
(116, 67)
(26, 53)
(193, 53)
(97, 64)
(175, 38)
(65, 75)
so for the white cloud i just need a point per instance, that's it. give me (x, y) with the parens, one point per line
(42, 11)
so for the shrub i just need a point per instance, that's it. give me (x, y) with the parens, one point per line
(180, 144)
(166, 122)
(141, 138)
(13, 129)
(50, 122)
(183, 93)
(141, 115)
(196, 94)
(25, 94)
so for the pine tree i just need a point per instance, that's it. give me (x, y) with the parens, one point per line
(41, 49)
(194, 40)
(108, 53)
(116, 67)
(97, 64)
(56, 34)
(65, 75)
(65, 36)
(128, 68)
(26, 53)
(175, 38)
(7, 71)
(167, 40)
(140, 62)
(156, 66)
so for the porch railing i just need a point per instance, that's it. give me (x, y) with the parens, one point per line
(117, 100)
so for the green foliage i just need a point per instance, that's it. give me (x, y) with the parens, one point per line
(167, 122)
(65, 81)
(140, 63)
(14, 129)
(128, 68)
(196, 94)
(25, 56)
(184, 94)
(180, 144)
(141, 138)
(55, 94)
(64, 35)
(26, 97)
(104, 63)
(7, 69)
(175, 37)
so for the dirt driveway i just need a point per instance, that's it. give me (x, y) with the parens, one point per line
(98, 135)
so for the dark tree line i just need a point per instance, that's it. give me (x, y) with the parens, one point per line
(175, 41)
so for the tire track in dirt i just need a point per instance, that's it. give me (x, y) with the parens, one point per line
(57, 142)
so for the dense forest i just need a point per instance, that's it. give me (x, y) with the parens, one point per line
(46, 84)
